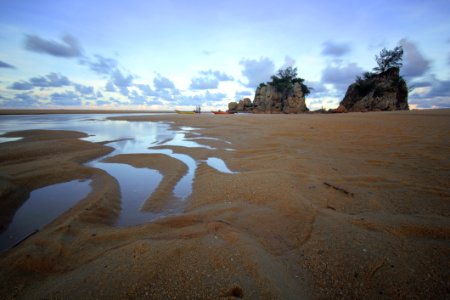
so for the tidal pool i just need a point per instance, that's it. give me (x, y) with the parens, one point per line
(219, 165)
(42, 207)
(136, 184)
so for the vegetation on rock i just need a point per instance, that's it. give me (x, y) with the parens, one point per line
(389, 59)
(284, 93)
(383, 89)
(284, 81)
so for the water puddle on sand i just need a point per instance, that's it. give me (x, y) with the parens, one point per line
(42, 207)
(219, 165)
(7, 139)
(136, 184)
(151, 135)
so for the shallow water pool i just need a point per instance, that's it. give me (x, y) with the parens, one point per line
(43, 206)
(136, 184)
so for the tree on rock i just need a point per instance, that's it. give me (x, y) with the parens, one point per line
(383, 90)
(285, 93)
(389, 59)
(285, 79)
(284, 82)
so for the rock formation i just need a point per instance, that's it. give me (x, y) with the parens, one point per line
(232, 106)
(384, 91)
(244, 105)
(269, 100)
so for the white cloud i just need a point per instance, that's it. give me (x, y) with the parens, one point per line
(26, 99)
(200, 99)
(68, 98)
(120, 80)
(161, 82)
(204, 83)
(109, 87)
(288, 62)
(415, 64)
(341, 76)
(100, 64)
(257, 71)
(209, 80)
(6, 65)
(68, 47)
(84, 89)
(145, 89)
(49, 80)
(334, 49)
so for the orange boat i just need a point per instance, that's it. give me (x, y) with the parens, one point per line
(222, 112)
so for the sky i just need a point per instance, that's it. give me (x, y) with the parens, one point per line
(174, 54)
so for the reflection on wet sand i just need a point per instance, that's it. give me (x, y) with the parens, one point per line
(162, 140)
(138, 184)
(42, 207)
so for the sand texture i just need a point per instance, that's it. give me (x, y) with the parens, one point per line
(324, 206)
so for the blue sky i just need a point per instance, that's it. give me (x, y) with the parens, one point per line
(178, 54)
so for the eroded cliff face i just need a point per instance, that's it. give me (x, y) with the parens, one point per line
(295, 102)
(267, 99)
(385, 91)
(244, 105)
(270, 101)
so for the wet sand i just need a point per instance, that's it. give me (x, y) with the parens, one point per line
(324, 206)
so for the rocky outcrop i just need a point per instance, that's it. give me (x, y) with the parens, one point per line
(384, 91)
(232, 106)
(269, 100)
(244, 105)
(295, 102)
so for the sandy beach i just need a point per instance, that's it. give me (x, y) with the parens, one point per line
(321, 206)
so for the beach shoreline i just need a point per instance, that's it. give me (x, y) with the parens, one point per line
(78, 111)
(321, 206)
